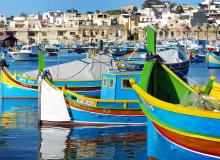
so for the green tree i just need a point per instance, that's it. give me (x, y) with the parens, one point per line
(179, 10)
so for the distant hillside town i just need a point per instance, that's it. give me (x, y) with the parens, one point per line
(171, 21)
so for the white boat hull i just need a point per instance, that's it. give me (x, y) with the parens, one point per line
(19, 56)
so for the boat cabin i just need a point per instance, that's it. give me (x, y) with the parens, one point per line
(29, 48)
(116, 85)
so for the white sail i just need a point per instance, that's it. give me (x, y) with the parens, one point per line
(52, 104)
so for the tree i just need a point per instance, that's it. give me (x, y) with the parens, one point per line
(207, 26)
(187, 29)
(45, 41)
(216, 29)
(166, 31)
(199, 29)
(179, 10)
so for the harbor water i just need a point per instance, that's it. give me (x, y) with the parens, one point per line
(22, 138)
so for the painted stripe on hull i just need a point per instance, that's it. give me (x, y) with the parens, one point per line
(11, 92)
(19, 84)
(107, 111)
(104, 116)
(201, 146)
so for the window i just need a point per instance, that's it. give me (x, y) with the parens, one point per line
(103, 33)
(126, 83)
(60, 33)
(72, 33)
(44, 33)
(104, 82)
(111, 83)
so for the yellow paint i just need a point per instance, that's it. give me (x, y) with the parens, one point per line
(213, 60)
(7, 81)
(215, 91)
(173, 107)
(186, 133)
(100, 100)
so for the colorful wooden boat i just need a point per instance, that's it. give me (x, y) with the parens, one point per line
(180, 124)
(213, 60)
(23, 87)
(171, 57)
(117, 104)
(14, 85)
(168, 102)
(195, 57)
(211, 89)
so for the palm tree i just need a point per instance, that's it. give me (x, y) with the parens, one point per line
(216, 28)
(199, 29)
(207, 26)
(187, 29)
(166, 31)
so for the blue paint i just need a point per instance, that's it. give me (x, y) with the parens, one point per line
(118, 91)
(90, 117)
(199, 125)
(159, 147)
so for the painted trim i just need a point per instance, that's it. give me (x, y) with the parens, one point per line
(99, 100)
(173, 107)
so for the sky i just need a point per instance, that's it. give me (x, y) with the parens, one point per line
(16, 7)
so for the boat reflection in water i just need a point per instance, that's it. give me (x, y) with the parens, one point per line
(18, 129)
(121, 142)
(18, 113)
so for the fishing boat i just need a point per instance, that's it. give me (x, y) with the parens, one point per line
(194, 56)
(176, 111)
(27, 53)
(211, 89)
(178, 64)
(116, 104)
(51, 50)
(25, 86)
(213, 60)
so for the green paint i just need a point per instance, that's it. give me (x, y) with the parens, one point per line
(161, 84)
(41, 61)
(208, 87)
(151, 40)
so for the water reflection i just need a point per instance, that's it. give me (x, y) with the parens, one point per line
(18, 129)
(124, 142)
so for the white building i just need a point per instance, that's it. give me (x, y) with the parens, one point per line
(2, 19)
(147, 17)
